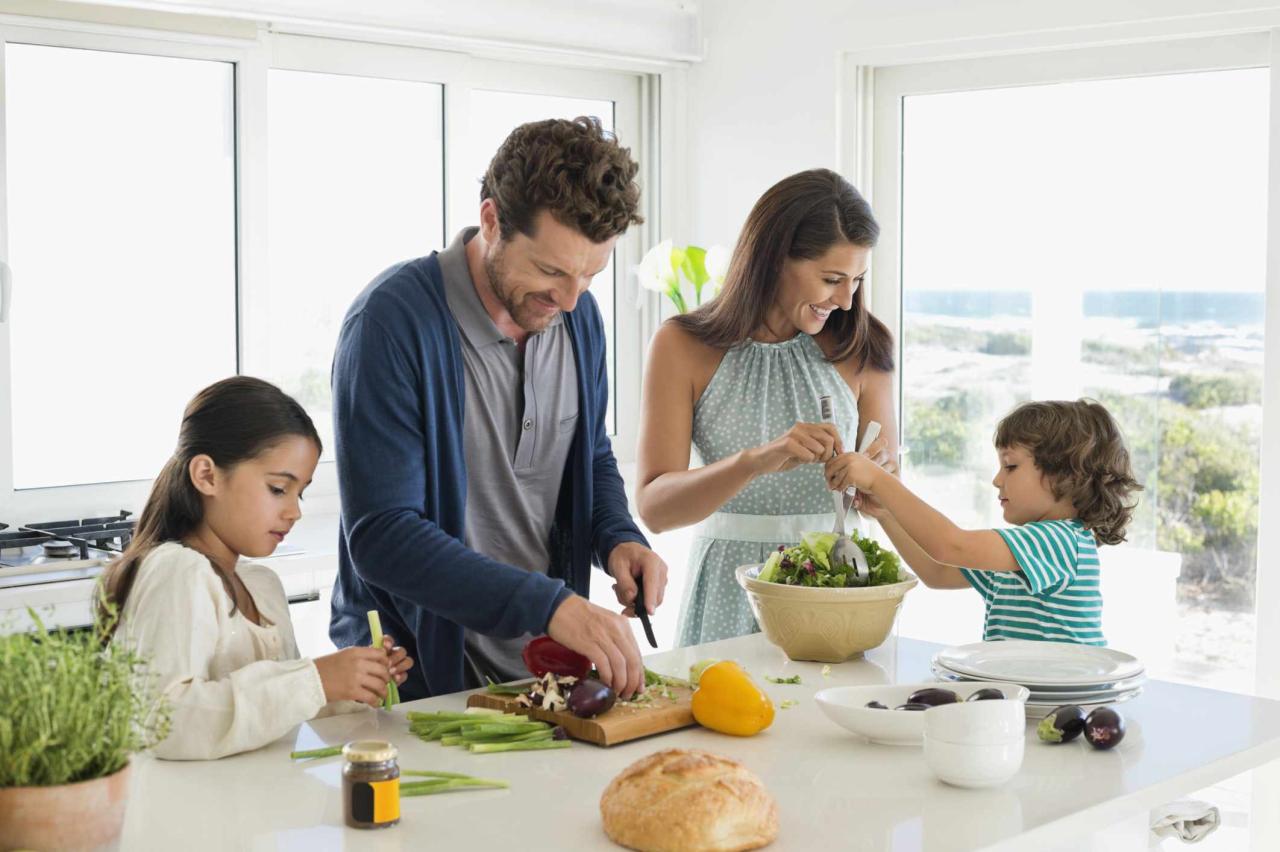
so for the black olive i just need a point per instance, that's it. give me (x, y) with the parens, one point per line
(913, 706)
(1104, 727)
(932, 696)
(876, 705)
(559, 733)
(1062, 725)
(988, 694)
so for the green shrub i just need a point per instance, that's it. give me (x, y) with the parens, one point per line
(1200, 391)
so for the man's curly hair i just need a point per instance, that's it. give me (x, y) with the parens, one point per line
(1078, 446)
(574, 169)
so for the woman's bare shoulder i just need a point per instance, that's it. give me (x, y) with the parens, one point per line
(680, 352)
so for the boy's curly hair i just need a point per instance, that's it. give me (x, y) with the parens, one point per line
(1079, 447)
(574, 169)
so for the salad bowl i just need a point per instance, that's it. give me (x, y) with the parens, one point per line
(824, 624)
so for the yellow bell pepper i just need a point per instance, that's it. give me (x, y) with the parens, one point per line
(727, 700)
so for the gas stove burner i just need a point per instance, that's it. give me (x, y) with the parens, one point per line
(58, 549)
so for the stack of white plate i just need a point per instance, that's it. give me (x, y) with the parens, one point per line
(1056, 673)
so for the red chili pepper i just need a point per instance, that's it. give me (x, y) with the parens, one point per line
(545, 654)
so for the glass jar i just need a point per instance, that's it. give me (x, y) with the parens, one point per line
(370, 784)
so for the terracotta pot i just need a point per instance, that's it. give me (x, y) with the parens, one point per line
(79, 816)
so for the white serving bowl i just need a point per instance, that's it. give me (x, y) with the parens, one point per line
(967, 765)
(846, 706)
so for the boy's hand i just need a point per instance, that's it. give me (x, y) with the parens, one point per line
(398, 660)
(868, 505)
(852, 470)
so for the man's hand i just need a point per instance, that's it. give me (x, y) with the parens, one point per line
(630, 560)
(602, 637)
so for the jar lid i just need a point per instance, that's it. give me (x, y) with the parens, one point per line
(369, 751)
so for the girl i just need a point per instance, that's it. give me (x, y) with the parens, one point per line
(740, 378)
(1064, 482)
(216, 630)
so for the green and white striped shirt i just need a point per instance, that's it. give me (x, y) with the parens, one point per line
(1054, 597)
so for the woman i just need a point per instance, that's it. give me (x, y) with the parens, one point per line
(739, 379)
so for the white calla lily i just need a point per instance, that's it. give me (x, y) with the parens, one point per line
(655, 271)
(717, 264)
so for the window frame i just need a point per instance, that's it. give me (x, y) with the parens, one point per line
(635, 116)
(872, 148)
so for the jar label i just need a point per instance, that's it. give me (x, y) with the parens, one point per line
(376, 802)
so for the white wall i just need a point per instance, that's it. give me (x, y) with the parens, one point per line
(764, 102)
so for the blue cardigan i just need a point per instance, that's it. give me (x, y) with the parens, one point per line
(398, 420)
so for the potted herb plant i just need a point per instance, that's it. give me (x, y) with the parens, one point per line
(75, 708)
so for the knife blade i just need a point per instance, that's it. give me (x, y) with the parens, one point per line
(643, 615)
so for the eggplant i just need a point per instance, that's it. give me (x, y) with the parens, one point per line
(1104, 727)
(1062, 725)
(932, 696)
(876, 705)
(590, 698)
(911, 705)
(989, 693)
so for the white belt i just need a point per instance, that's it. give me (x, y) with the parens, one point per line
(771, 529)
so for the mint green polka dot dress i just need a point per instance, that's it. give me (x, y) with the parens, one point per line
(759, 391)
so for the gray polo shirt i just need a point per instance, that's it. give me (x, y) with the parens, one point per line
(521, 411)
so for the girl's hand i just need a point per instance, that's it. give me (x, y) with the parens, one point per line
(803, 443)
(359, 673)
(868, 505)
(398, 660)
(851, 470)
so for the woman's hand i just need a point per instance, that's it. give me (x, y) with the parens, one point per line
(803, 443)
(358, 673)
(852, 470)
(868, 505)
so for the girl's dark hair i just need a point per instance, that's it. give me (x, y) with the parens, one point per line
(230, 421)
(1079, 447)
(800, 217)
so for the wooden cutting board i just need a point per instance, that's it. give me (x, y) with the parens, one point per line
(622, 723)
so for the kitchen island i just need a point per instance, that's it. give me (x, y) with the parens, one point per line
(833, 790)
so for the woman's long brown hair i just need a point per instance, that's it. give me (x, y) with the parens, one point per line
(230, 421)
(800, 217)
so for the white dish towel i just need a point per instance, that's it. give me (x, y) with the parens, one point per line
(1188, 820)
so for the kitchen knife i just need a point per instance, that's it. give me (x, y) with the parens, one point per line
(642, 613)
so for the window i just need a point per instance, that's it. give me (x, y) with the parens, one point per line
(121, 224)
(175, 212)
(356, 177)
(1102, 238)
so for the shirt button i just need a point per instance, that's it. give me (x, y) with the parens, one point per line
(528, 424)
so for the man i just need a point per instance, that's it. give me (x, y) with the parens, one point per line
(469, 390)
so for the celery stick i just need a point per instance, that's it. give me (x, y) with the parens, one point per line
(331, 751)
(490, 748)
(375, 628)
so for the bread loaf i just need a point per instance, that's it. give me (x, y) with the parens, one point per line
(682, 800)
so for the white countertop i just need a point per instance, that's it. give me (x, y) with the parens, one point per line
(833, 790)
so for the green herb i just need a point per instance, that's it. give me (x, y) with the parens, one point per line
(392, 697)
(826, 671)
(331, 751)
(73, 706)
(809, 564)
(789, 703)
(652, 678)
(792, 679)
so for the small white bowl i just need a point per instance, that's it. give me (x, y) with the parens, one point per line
(977, 722)
(846, 706)
(967, 765)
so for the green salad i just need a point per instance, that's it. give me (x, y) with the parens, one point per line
(809, 564)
